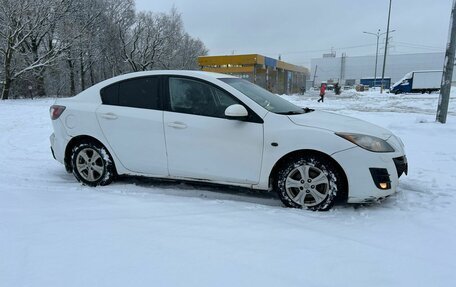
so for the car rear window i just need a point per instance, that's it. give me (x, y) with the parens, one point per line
(110, 95)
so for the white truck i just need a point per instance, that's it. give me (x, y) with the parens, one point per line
(418, 82)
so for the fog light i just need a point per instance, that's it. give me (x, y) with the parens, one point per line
(381, 178)
(383, 185)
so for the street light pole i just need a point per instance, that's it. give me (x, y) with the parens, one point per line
(386, 46)
(376, 60)
(377, 35)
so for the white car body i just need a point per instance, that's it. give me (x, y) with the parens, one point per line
(165, 144)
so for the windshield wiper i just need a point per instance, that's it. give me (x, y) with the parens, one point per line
(307, 110)
(299, 112)
(290, 113)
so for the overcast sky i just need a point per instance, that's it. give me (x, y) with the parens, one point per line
(303, 29)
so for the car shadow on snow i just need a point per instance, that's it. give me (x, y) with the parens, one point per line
(212, 191)
(204, 190)
(127, 185)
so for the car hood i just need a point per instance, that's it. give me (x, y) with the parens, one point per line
(339, 123)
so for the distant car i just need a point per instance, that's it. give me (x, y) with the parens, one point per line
(207, 127)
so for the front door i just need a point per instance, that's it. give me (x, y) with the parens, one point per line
(202, 143)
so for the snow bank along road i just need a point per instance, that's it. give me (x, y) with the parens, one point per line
(55, 232)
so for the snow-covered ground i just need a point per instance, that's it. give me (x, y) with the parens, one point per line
(136, 232)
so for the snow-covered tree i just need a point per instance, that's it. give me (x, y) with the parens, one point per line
(25, 25)
(64, 46)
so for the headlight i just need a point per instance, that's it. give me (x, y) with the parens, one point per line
(370, 143)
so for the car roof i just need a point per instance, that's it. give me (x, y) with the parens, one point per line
(189, 73)
(86, 95)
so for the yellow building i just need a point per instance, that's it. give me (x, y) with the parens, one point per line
(275, 75)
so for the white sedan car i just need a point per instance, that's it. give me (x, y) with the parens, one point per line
(207, 127)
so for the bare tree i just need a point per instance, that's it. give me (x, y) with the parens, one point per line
(185, 57)
(24, 25)
(181, 51)
(154, 41)
(64, 46)
(122, 15)
(86, 17)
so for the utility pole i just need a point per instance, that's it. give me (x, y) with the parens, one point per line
(343, 61)
(315, 75)
(386, 46)
(445, 87)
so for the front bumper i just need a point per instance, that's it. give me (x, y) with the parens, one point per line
(364, 185)
(53, 154)
(401, 164)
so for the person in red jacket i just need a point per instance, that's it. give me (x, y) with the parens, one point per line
(322, 93)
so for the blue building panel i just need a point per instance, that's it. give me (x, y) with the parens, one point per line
(270, 62)
(371, 82)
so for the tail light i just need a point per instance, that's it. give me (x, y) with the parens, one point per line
(56, 111)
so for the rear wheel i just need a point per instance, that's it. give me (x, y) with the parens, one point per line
(311, 182)
(92, 164)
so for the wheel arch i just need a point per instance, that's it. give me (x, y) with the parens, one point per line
(297, 153)
(78, 140)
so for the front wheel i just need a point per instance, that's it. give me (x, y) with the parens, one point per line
(92, 164)
(310, 181)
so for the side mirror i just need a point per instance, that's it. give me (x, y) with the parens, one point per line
(236, 111)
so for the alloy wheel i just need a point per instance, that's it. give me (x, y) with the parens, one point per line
(90, 164)
(307, 185)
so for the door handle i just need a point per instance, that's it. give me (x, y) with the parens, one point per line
(177, 125)
(109, 116)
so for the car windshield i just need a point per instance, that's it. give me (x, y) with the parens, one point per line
(264, 98)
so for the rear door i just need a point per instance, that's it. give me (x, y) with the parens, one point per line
(201, 142)
(131, 118)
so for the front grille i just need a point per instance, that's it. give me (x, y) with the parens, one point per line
(401, 165)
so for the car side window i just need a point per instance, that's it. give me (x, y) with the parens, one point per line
(198, 98)
(136, 93)
(140, 93)
(222, 99)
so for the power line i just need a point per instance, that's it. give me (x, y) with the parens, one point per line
(324, 50)
(420, 48)
(421, 45)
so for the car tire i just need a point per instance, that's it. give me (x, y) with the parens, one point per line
(310, 181)
(92, 164)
